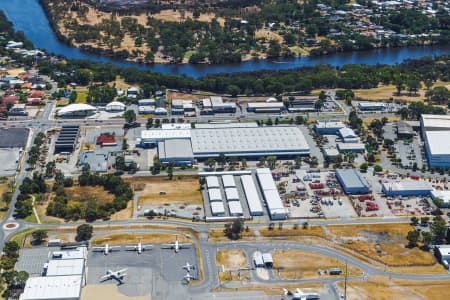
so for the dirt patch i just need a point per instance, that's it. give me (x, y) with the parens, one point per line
(110, 292)
(120, 239)
(231, 259)
(178, 16)
(382, 242)
(85, 193)
(185, 190)
(268, 35)
(175, 95)
(124, 214)
(291, 232)
(303, 264)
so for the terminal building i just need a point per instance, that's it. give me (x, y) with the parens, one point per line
(250, 142)
(406, 188)
(352, 182)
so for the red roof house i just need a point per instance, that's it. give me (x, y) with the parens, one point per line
(36, 94)
(11, 99)
(33, 101)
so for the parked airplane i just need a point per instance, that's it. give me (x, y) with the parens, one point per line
(177, 246)
(188, 277)
(105, 249)
(117, 276)
(188, 267)
(299, 295)
(139, 248)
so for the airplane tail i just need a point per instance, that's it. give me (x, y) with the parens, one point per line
(286, 292)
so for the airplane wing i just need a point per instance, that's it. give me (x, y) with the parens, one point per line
(121, 272)
(105, 277)
(167, 246)
(147, 247)
(131, 247)
(184, 245)
(114, 248)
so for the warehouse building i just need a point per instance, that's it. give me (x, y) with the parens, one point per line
(444, 197)
(305, 103)
(215, 195)
(67, 138)
(442, 253)
(52, 288)
(147, 102)
(235, 208)
(219, 106)
(115, 106)
(328, 127)
(228, 181)
(176, 151)
(434, 122)
(437, 148)
(217, 209)
(348, 135)
(251, 194)
(265, 107)
(351, 147)
(151, 138)
(270, 193)
(232, 194)
(64, 267)
(76, 110)
(405, 130)
(352, 182)
(212, 182)
(371, 106)
(406, 188)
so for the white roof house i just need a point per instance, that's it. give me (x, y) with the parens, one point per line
(253, 200)
(52, 288)
(232, 194)
(214, 195)
(228, 181)
(115, 106)
(212, 182)
(76, 109)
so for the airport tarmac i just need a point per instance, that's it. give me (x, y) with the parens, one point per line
(157, 273)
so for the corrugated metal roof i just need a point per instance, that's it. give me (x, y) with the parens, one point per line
(214, 195)
(63, 267)
(176, 148)
(228, 181)
(217, 208)
(351, 178)
(235, 208)
(253, 200)
(438, 142)
(212, 182)
(54, 287)
(231, 194)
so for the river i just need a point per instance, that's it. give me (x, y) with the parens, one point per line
(29, 17)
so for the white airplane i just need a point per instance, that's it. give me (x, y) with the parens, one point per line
(188, 267)
(188, 277)
(139, 248)
(117, 275)
(105, 249)
(299, 295)
(177, 246)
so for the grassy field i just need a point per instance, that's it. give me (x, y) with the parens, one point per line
(85, 193)
(3, 207)
(232, 260)
(302, 264)
(217, 235)
(382, 288)
(182, 189)
(382, 242)
(120, 239)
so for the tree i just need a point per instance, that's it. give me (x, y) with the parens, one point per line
(271, 161)
(439, 229)
(124, 144)
(84, 232)
(244, 163)
(363, 167)
(210, 163)
(39, 236)
(377, 168)
(234, 229)
(73, 97)
(413, 238)
(50, 169)
(130, 116)
(439, 95)
(415, 221)
(120, 163)
(11, 249)
(427, 238)
(170, 170)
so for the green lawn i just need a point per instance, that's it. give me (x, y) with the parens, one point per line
(81, 97)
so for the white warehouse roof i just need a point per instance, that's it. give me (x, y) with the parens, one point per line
(232, 194)
(217, 208)
(436, 121)
(212, 182)
(52, 288)
(271, 195)
(73, 108)
(228, 181)
(276, 140)
(158, 134)
(235, 208)
(438, 142)
(347, 133)
(406, 185)
(63, 267)
(214, 195)
(115, 105)
(253, 200)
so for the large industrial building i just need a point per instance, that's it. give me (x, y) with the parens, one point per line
(67, 138)
(176, 151)
(436, 136)
(406, 188)
(328, 127)
(251, 142)
(352, 182)
(76, 110)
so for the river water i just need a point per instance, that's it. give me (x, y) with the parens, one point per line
(29, 17)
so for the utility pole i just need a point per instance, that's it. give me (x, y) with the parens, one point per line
(345, 282)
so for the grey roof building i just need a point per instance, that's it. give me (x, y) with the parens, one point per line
(352, 182)
(178, 151)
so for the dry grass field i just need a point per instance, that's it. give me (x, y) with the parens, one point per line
(232, 260)
(126, 238)
(302, 264)
(3, 207)
(109, 291)
(382, 288)
(217, 235)
(382, 242)
(277, 290)
(85, 193)
(185, 190)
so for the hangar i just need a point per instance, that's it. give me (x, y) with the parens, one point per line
(352, 182)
